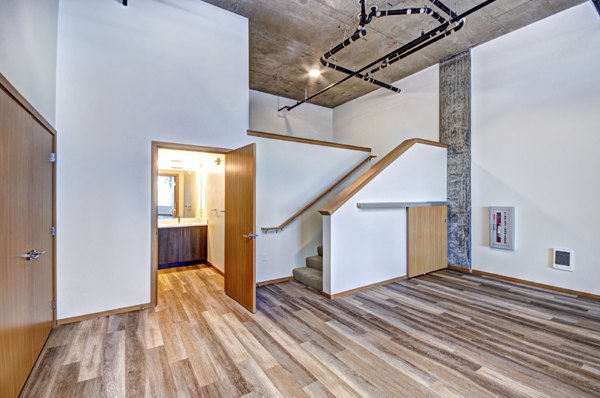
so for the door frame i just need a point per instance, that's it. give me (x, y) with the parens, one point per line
(12, 92)
(156, 145)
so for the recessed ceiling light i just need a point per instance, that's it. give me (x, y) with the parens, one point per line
(314, 73)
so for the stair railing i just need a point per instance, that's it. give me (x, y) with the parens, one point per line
(315, 200)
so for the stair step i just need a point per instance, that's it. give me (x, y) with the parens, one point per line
(320, 250)
(315, 262)
(309, 276)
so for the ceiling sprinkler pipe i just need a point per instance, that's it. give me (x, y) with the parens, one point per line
(355, 36)
(438, 36)
(366, 78)
(361, 32)
(409, 11)
(444, 8)
(419, 42)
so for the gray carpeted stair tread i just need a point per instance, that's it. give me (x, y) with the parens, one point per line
(315, 262)
(309, 276)
(320, 250)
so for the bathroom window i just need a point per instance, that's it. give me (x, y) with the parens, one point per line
(168, 195)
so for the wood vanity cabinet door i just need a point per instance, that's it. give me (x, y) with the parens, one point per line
(169, 243)
(190, 244)
(203, 242)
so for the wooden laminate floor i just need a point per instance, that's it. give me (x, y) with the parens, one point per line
(446, 334)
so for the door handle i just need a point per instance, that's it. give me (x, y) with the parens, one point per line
(34, 254)
(250, 236)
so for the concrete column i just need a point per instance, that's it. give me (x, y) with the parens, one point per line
(455, 130)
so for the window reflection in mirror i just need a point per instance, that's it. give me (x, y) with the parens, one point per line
(168, 195)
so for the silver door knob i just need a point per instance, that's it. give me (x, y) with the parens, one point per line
(250, 236)
(34, 254)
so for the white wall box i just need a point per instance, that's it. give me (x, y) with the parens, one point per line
(502, 228)
(563, 259)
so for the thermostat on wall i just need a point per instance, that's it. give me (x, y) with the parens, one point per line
(563, 259)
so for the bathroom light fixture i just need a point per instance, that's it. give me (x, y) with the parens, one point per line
(314, 73)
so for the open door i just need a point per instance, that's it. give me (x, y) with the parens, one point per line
(240, 224)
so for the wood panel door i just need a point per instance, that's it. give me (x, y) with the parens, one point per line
(26, 214)
(427, 239)
(240, 225)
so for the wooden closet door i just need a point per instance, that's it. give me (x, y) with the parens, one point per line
(427, 239)
(41, 282)
(26, 314)
(15, 240)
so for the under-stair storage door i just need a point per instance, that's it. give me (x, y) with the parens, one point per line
(427, 239)
(240, 226)
(26, 243)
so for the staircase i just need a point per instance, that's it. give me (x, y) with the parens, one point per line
(312, 274)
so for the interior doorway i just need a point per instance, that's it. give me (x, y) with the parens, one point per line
(203, 212)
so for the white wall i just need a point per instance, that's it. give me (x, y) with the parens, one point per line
(369, 246)
(288, 176)
(28, 30)
(382, 119)
(536, 103)
(307, 120)
(127, 76)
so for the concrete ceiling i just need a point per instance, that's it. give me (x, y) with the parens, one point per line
(287, 38)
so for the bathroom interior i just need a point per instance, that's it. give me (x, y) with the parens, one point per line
(191, 209)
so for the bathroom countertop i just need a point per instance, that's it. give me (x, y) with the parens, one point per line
(184, 223)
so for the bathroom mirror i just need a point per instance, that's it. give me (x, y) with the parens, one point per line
(177, 194)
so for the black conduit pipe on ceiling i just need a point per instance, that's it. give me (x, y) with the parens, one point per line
(444, 8)
(398, 57)
(361, 32)
(416, 44)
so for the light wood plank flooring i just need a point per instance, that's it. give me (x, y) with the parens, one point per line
(445, 334)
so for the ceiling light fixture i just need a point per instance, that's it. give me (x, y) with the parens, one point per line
(314, 73)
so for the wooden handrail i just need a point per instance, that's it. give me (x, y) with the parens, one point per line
(314, 201)
(342, 197)
(307, 141)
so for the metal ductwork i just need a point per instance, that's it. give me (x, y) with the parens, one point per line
(446, 28)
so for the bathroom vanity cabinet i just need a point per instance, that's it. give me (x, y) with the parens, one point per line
(181, 244)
